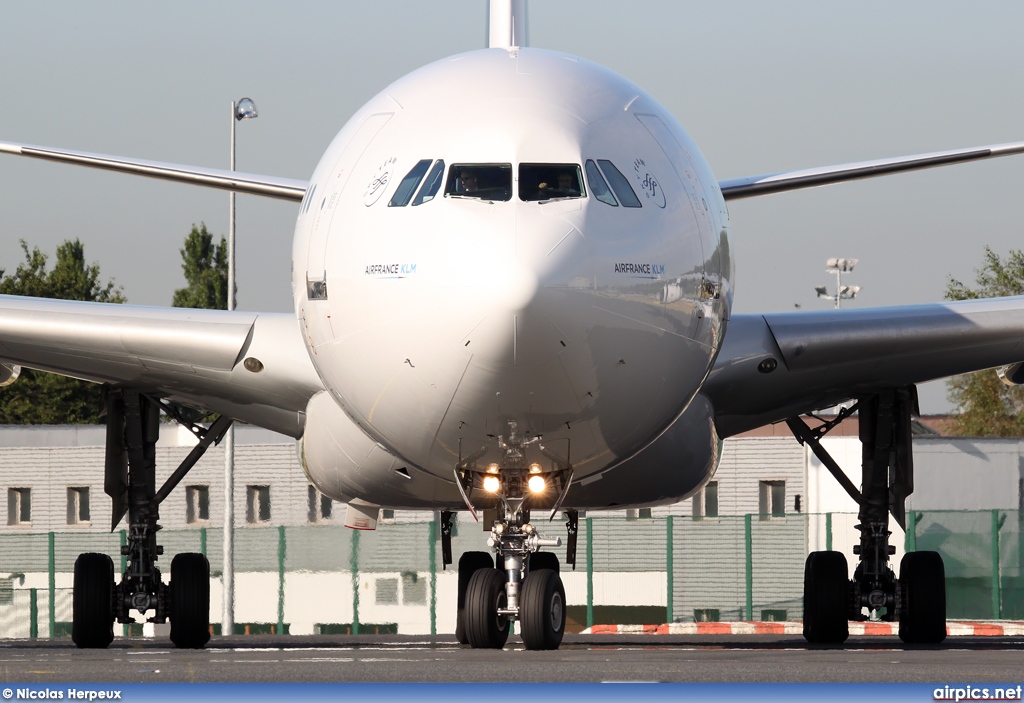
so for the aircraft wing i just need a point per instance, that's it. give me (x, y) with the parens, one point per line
(749, 186)
(269, 186)
(198, 357)
(825, 358)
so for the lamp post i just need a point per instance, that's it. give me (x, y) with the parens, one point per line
(244, 109)
(838, 267)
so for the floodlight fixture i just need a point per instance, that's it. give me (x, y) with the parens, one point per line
(245, 109)
(838, 266)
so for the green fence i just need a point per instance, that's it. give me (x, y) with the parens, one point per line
(325, 578)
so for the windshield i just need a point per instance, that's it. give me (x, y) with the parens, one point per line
(483, 181)
(550, 181)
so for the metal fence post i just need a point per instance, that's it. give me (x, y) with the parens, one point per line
(590, 572)
(33, 613)
(432, 549)
(670, 570)
(997, 605)
(202, 540)
(52, 557)
(828, 532)
(750, 566)
(123, 534)
(910, 543)
(282, 547)
(354, 565)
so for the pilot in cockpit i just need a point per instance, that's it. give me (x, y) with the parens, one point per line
(564, 185)
(468, 181)
(567, 183)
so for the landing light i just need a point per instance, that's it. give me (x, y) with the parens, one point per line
(536, 484)
(535, 468)
(492, 468)
(491, 484)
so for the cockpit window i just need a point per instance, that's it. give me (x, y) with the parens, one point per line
(403, 194)
(598, 186)
(546, 182)
(623, 191)
(483, 181)
(431, 185)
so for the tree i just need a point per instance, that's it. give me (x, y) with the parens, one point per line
(988, 407)
(39, 398)
(206, 272)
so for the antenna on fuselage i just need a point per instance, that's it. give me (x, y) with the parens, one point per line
(506, 24)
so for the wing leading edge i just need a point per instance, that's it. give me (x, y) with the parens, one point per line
(750, 186)
(192, 356)
(825, 358)
(268, 186)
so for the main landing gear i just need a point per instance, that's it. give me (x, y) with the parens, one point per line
(133, 424)
(520, 583)
(917, 600)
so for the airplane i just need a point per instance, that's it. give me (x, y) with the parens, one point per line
(513, 287)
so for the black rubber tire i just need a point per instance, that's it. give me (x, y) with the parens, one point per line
(469, 563)
(826, 598)
(92, 619)
(544, 560)
(190, 601)
(542, 610)
(923, 589)
(485, 629)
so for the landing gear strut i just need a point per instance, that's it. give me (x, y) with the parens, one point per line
(133, 427)
(522, 584)
(917, 600)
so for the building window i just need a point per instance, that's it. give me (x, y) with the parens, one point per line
(318, 507)
(197, 508)
(387, 516)
(386, 591)
(705, 503)
(414, 589)
(78, 505)
(19, 506)
(257, 504)
(771, 500)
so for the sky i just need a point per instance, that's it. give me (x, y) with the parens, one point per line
(761, 86)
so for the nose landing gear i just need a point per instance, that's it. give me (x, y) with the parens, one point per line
(523, 584)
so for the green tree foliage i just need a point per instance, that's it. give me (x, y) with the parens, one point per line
(38, 398)
(206, 272)
(988, 407)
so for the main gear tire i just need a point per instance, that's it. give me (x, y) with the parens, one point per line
(826, 598)
(92, 614)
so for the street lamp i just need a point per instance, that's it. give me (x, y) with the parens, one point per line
(244, 109)
(838, 267)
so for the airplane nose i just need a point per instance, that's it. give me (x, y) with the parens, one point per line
(514, 286)
(513, 324)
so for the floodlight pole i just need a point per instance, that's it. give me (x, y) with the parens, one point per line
(242, 110)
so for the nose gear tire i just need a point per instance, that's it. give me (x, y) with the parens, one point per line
(469, 563)
(542, 610)
(485, 595)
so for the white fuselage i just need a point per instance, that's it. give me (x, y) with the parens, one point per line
(590, 323)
